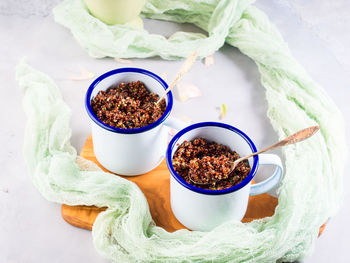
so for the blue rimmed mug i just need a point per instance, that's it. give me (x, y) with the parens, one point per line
(203, 210)
(130, 151)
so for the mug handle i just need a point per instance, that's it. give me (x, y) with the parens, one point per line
(273, 180)
(175, 123)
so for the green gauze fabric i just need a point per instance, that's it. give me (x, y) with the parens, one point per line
(100, 40)
(311, 189)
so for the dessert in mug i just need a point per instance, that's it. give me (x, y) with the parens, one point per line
(127, 106)
(207, 164)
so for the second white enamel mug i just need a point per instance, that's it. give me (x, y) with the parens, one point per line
(201, 209)
(130, 151)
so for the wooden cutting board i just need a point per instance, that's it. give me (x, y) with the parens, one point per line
(156, 187)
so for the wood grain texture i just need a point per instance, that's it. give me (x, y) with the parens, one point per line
(156, 187)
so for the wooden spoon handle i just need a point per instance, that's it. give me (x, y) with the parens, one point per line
(294, 138)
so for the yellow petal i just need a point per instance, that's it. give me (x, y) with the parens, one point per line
(223, 111)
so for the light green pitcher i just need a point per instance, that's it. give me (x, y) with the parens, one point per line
(117, 11)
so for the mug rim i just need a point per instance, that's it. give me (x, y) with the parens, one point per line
(191, 187)
(94, 84)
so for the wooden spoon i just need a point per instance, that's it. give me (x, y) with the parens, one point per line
(183, 70)
(294, 138)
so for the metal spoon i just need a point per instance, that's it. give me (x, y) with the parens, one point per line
(294, 138)
(183, 70)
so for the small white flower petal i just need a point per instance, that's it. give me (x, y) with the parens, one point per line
(84, 75)
(209, 60)
(172, 131)
(183, 98)
(187, 90)
(124, 61)
(186, 119)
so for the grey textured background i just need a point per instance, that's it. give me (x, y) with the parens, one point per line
(31, 228)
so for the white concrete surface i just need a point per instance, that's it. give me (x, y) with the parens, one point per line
(31, 228)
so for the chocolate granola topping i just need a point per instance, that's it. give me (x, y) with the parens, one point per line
(209, 164)
(127, 106)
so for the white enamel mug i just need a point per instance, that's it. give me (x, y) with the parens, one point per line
(131, 151)
(203, 210)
